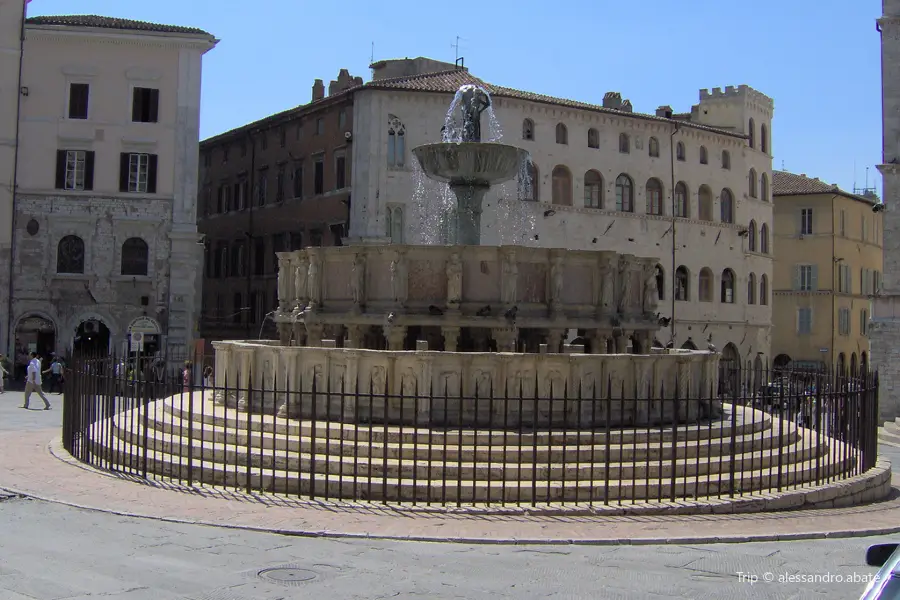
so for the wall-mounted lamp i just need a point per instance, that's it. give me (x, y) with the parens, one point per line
(876, 208)
(24, 90)
(549, 212)
(743, 232)
(838, 260)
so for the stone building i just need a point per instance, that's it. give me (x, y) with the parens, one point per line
(828, 263)
(885, 328)
(277, 184)
(103, 227)
(602, 179)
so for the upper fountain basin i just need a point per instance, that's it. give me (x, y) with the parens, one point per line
(470, 163)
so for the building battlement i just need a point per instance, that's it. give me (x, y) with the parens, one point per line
(736, 92)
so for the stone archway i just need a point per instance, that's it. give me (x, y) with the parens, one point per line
(730, 370)
(92, 335)
(35, 331)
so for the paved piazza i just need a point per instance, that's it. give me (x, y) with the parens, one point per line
(52, 551)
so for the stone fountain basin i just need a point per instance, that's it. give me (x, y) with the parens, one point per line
(470, 163)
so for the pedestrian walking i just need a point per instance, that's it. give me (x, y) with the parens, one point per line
(33, 381)
(187, 376)
(3, 373)
(56, 376)
(207, 376)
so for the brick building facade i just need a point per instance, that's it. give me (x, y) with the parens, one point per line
(273, 185)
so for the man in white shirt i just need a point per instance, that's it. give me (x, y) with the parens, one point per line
(33, 381)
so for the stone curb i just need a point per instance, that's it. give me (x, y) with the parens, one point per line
(55, 449)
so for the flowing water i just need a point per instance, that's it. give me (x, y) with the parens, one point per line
(433, 220)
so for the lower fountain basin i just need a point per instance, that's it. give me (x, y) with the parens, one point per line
(479, 164)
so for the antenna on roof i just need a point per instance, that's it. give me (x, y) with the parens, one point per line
(372, 56)
(459, 61)
(782, 165)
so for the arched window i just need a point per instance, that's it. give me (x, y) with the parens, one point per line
(652, 146)
(396, 155)
(562, 186)
(624, 193)
(705, 199)
(727, 286)
(751, 237)
(764, 238)
(222, 260)
(764, 187)
(625, 144)
(751, 183)
(593, 138)
(135, 257)
(528, 185)
(682, 287)
(593, 190)
(751, 132)
(680, 152)
(763, 138)
(562, 134)
(705, 287)
(661, 281)
(726, 159)
(763, 290)
(704, 156)
(726, 203)
(528, 130)
(751, 289)
(682, 206)
(70, 255)
(654, 197)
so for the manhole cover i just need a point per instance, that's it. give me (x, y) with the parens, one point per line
(287, 575)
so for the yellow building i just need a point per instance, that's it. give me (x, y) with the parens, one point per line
(828, 265)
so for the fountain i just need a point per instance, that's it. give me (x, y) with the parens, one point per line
(466, 319)
(470, 166)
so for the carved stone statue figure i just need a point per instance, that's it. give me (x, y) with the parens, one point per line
(454, 279)
(651, 291)
(398, 278)
(556, 281)
(358, 279)
(474, 102)
(300, 274)
(510, 275)
(624, 283)
(313, 282)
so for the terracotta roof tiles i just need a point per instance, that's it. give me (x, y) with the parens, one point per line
(111, 23)
(792, 184)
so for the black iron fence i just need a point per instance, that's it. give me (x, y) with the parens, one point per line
(757, 431)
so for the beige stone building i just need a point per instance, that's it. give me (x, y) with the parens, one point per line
(828, 264)
(603, 178)
(102, 228)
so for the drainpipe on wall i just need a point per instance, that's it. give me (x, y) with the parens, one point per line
(672, 192)
(834, 280)
(250, 263)
(10, 334)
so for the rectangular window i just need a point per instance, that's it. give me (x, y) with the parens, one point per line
(262, 187)
(279, 185)
(340, 172)
(282, 137)
(844, 279)
(806, 278)
(220, 306)
(804, 321)
(74, 169)
(225, 155)
(864, 322)
(342, 118)
(296, 241)
(806, 221)
(315, 237)
(145, 105)
(844, 321)
(137, 173)
(78, 100)
(238, 316)
(319, 177)
(320, 126)
(259, 256)
(843, 223)
(263, 141)
(298, 181)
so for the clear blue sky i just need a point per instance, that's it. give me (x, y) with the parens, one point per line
(820, 61)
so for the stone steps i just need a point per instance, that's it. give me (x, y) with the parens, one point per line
(889, 433)
(396, 489)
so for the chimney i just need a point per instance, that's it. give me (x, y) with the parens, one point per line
(318, 90)
(664, 111)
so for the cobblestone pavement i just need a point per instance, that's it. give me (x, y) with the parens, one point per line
(50, 551)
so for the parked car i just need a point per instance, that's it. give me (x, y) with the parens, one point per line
(886, 584)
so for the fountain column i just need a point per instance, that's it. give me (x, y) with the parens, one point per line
(469, 200)
(554, 340)
(396, 337)
(451, 338)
